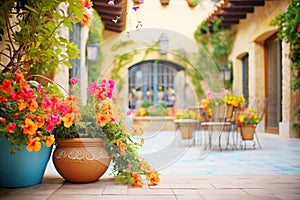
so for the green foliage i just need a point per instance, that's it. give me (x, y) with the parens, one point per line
(85, 127)
(216, 40)
(35, 46)
(288, 25)
(147, 103)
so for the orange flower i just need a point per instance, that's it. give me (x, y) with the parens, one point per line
(102, 119)
(68, 119)
(40, 121)
(86, 18)
(30, 127)
(23, 83)
(34, 144)
(49, 140)
(137, 180)
(33, 105)
(21, 105)
(153, 177)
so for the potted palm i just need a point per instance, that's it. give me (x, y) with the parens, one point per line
(100, 131)
(247, 120)
(27, 119)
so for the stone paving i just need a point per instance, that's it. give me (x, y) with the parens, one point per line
(272, 172)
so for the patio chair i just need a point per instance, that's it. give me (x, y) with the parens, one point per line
(220, 123)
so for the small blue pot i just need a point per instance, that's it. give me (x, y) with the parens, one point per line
(22, 168)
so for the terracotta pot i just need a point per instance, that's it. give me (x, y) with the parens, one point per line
(164, 2)
(186, 127)
(247, 132)
(81, 160)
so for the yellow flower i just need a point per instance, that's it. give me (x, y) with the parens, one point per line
(153, 177)
(68, 119)
(49, 140)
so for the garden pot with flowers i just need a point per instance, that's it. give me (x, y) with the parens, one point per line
(247, 120)
(185, 121)
(92, 137)
(220, 105)
(27, 118)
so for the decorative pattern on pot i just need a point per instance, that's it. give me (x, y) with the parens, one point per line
(81, 160)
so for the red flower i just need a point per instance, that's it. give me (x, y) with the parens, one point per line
(6, 86)
(298, 29)
(86, 3)
(11, 127)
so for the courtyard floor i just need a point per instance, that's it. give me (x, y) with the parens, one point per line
(191, 171)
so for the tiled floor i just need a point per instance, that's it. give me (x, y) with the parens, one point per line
(191, 172)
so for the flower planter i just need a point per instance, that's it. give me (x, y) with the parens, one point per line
(247, 132)
(22, 168)
(164, 2)
(81, 160)
(222, 111)
(186, 127)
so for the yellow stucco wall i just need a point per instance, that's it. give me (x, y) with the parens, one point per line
(251, 34)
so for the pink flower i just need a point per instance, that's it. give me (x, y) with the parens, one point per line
(40, 89)
(92, 88)
(129, 112)
(47, 103)
(111, 2)
(298, 29)
(11, 127)
(26, 93)
(74, 80)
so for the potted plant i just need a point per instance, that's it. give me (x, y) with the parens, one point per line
(221, 104)
(29, 32)
(192, 3)
(247, 120)
(102, 121)
(27, 118)
(185, 123)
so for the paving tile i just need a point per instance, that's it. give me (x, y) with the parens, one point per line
(39, 189)
(150, 192)
(95, 188)
(231, 194)
(25, 197)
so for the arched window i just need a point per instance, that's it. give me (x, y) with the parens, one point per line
(152, 80)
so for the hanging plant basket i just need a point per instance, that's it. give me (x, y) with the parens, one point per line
(164, 2)
(247, 132)
(192, 3)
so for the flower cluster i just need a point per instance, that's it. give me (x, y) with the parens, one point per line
(102, 118)
(223, 97)
(28, 112)
(247, 116)
(86, 18)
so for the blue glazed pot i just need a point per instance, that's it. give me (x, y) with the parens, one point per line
(22, 168)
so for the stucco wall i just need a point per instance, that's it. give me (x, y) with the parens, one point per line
(250, 36)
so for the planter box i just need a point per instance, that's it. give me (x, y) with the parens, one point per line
(247, 132)
(155, 123)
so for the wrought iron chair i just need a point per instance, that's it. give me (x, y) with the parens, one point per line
(220, 123)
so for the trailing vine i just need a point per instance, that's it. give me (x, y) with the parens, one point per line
(288, 25)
